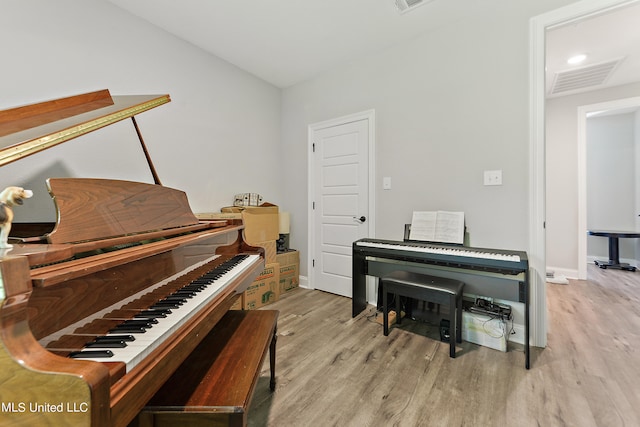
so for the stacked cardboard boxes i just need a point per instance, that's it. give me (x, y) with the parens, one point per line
(281, 272)
(264, 290)
(261, 229)
(289, 262)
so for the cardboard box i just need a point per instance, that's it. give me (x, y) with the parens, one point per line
(485, 331)
(289, 270)
(261, 223)
(264, 290)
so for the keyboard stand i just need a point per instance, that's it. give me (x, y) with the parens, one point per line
(511, 284)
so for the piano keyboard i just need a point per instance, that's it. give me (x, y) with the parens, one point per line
(443, 250)
(133, 340)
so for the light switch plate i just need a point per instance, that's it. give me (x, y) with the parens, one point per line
(386, 183)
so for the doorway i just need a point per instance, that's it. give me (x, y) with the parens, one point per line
(537, 193)
(584, 112)
(341, 193)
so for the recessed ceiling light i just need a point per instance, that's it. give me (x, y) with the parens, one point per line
(576, 59)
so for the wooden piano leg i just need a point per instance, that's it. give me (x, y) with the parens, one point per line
(272, 359)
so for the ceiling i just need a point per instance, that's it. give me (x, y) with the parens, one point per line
(611, 42)
(285, 42)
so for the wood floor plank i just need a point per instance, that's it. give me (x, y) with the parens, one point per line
(333, 370)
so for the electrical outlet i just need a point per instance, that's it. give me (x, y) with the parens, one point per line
(493, 177)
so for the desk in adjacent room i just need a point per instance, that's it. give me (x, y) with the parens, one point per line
(614, 251)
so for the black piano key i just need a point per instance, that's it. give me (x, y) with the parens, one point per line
(152, 320)
(165, 304)
(176, 298)
(214, 274)
(204, 282)
(194, 287)
(165, 308)
(107, 344)
(134, 329)
(173, 300)
(184, 293)
(109, 338)
(145, 323)
(91, 354)
(153, 314)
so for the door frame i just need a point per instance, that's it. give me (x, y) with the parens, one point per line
(538, 26)
(369, 115)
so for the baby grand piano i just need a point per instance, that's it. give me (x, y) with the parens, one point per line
(98, 313)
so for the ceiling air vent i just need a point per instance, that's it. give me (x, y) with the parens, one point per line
(584, 77)
(407, 5)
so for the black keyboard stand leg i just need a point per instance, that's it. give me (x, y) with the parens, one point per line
(459, 319)
(385, 312)
(453, 326)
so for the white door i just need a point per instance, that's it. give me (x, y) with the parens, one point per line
(340, 206)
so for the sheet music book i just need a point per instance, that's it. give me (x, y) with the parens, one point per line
(438, 226)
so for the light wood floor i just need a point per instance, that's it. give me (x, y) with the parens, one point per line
(333, 370)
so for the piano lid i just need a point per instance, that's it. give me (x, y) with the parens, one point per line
(33, 128)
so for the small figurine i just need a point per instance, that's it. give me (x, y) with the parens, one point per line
(10, 197)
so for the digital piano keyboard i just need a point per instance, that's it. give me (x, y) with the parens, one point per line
(497, 260)
(496, 273)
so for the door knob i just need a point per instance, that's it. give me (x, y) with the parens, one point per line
(361, 219)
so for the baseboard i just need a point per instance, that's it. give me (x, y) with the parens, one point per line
(516, 333)
(304, 282)
(560, 272)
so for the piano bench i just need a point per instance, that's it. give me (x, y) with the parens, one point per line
(423, 287)
(215, 384)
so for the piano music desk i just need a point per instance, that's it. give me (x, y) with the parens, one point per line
(214, 386)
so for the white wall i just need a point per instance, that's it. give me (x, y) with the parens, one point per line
(562, 173)
(219, 135)
(611, 182)
(449, 105)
